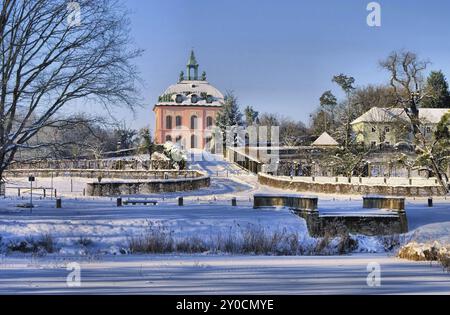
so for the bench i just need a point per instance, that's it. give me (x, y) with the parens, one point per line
(140, 202)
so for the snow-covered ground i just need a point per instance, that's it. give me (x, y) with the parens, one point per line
(110, 227)
(198, 275)
(206, 214)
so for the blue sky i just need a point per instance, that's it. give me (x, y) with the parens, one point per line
(279, 56)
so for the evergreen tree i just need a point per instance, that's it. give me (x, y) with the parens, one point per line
(229, 118)
(347, 115)
(250, 115)
(328, 102)
(438, 95)
(145, 141)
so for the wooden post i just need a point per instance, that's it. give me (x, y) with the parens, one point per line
(58, 203)
(180, 202)
(119, 202)
(234, 202)
(430, 202)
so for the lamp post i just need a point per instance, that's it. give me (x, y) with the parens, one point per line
(31, 179)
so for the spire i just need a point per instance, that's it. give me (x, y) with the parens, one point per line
(192, 61)
(192, 64)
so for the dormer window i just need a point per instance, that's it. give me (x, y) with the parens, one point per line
(194, 99)
(179, 99)
(209, 99)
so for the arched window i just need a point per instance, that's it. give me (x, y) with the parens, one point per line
(194, 122)
(194, 143)
(168, 138)
(178, 122)
(178, 139)
(168, 122)
(209, 122)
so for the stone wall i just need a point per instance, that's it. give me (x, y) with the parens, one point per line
(291, 201)
(146, 187)
(370, 225)
(321, 225)
(350, 189)
(391, 203)
(131, 174)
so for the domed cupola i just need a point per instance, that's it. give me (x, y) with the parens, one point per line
(192, 90)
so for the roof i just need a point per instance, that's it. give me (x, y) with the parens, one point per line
(186, 89)
(325, 140)
(433, 115)
(384, 115)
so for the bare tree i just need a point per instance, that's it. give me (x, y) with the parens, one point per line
(406, 71)
(50, 61)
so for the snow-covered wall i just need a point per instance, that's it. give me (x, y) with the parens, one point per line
(350, 189)
(123, 188)
(95, 173)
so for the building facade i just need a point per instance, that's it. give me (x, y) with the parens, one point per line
(391, 126)
(186, 111)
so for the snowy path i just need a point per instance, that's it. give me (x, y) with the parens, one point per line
(223, 275)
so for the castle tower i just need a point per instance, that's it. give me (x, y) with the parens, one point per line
(186, 111)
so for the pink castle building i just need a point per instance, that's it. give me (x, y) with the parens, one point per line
(186, 111)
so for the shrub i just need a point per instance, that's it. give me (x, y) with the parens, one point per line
(156, 240)
(445, 262)
(426, 252)
(47, 243)
(44, 244)
(83, 241)
(251, 239)
(228, 244)
(191, 246)
(336, 230)
(390, 242)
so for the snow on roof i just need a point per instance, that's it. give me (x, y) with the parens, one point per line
(377, 114)
(194, 87)
(433, 115)
(383, 115)
(325, 140)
